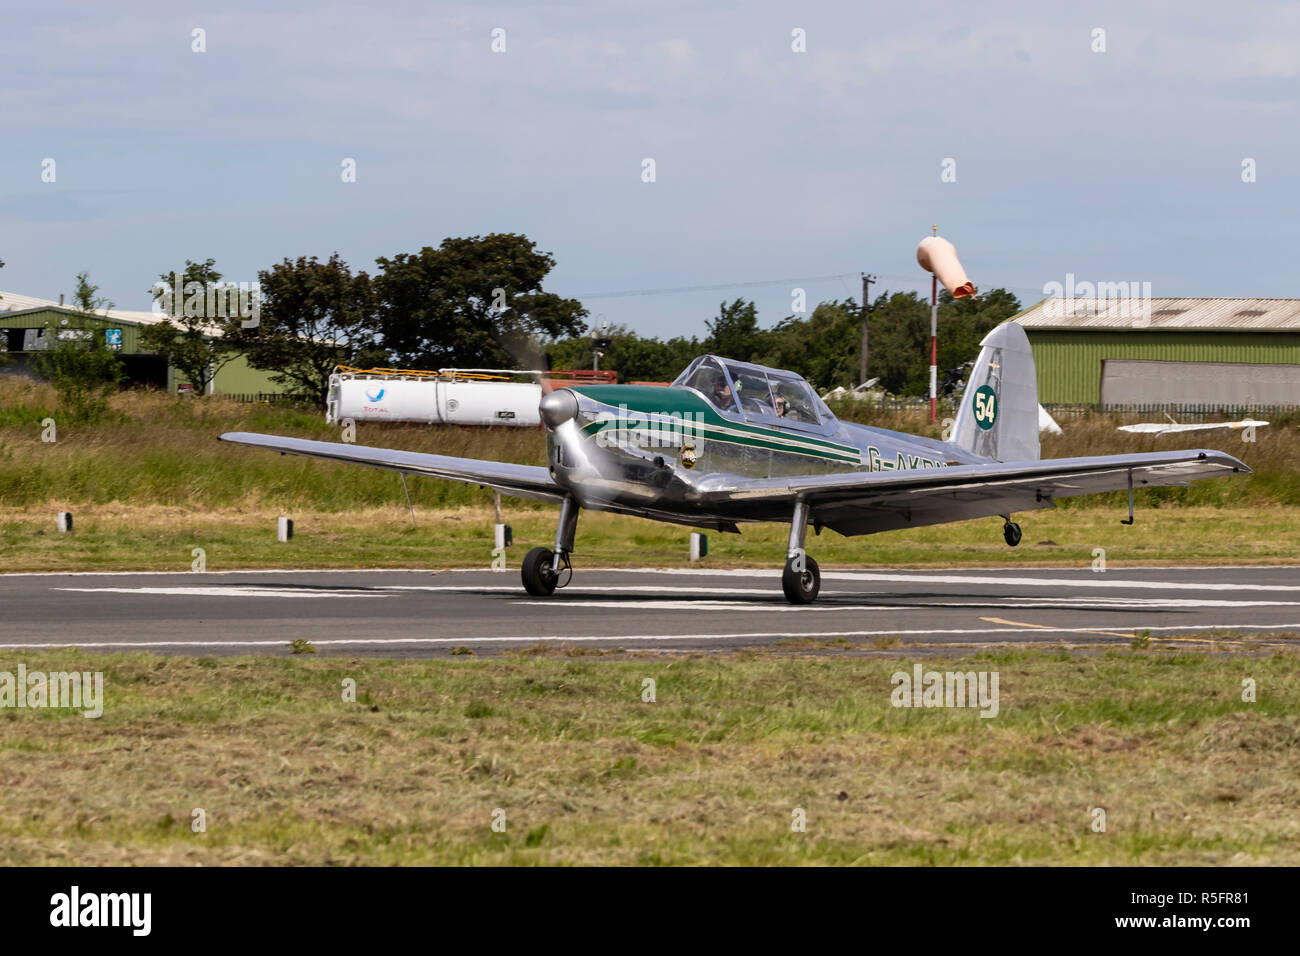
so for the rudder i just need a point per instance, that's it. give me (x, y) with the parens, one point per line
(998, 418)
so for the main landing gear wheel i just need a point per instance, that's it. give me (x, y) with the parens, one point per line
(1011, 531)
(539, 577)
(801, 587)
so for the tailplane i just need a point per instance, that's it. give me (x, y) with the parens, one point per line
(998, 418)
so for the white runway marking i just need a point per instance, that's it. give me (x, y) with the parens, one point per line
(254, 590)
(776, 604)
(191, 573)
(241, 592)
(715, 599)
(660, 638)
(1091, 580)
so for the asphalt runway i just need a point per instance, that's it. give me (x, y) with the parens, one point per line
(419, 613)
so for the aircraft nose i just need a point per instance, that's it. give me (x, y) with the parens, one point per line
(558, 407)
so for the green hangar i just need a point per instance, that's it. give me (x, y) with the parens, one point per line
(25, 322)
(1195, 354)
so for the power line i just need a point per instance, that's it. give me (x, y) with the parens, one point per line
(630, 293)
(709, 288)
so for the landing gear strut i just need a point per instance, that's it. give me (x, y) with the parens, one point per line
(801, 579)
(1011, 532)
(545, 570)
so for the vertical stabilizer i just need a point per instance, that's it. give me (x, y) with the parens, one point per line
(998, 418)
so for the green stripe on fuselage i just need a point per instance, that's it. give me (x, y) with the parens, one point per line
(676, 409)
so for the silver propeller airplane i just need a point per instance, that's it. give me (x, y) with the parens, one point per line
(731, 442)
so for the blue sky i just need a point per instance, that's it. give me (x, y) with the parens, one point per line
(1117, 166)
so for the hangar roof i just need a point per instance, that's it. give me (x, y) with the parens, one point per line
(12, 302)
(1166, 315)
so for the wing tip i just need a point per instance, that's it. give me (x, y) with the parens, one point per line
(1222, 457)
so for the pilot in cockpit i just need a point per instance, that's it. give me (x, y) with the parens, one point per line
(720, 392)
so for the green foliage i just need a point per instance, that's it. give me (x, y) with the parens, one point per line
(898, 350)
(471, 302)
(823, 347)
(735, 333)
(86, 298)
(899, 335)
(76, 360)
(650, 360)
(314, 315)
(195, 340)
(635, 358)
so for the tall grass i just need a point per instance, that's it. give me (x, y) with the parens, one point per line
(153, 448)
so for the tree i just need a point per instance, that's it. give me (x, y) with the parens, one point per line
(195, 340)
(734, 334)
(86, 298)
(314, 315)
(76, 359)
(822, 348)
(633, 357)
(900, 335)
(963, 323)
(474, 302)
(652, 360)
(899, 332)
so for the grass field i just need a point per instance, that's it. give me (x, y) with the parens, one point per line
(713, 771)
(152, 449)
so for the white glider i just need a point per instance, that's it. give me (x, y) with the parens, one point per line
(1160, 428)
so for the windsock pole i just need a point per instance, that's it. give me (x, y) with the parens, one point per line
(938, 257)
(934, 347)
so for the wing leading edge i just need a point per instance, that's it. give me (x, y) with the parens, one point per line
(867, 502)
(522, 481)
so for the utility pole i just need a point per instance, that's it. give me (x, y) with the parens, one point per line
(866, 310)
(934, 339)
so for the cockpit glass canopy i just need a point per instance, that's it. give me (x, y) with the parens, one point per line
(756, 391)
(706, 377)
(751, 389)
(794, 401)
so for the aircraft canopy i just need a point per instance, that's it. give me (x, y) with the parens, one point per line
(757, 392)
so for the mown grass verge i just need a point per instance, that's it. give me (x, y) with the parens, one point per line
(125, 537)
(587, 772)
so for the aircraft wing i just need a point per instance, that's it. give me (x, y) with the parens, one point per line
(522, 481)
(865, 502)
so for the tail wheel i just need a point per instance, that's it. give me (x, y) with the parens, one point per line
(801, 584)
(1011, 532)
(538, 575)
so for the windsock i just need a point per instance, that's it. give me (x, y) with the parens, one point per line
(937, 255)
